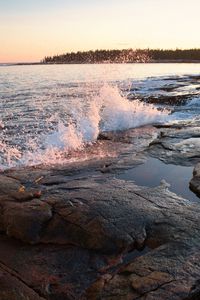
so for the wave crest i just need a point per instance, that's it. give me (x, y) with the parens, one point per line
(107, 111)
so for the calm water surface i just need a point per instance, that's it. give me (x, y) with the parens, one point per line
(153, 171)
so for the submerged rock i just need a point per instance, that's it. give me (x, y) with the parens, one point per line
(169, 99)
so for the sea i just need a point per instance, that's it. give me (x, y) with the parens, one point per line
(50, 111)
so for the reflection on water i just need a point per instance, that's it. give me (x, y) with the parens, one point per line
(153, 171)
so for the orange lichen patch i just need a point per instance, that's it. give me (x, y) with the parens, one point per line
(21, 189)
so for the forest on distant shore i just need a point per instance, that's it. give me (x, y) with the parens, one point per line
(124, 56)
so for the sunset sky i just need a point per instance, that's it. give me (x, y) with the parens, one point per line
(29, 30)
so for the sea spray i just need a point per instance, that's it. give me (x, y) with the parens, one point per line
(107, 110)
(9, 155)
(118, 113)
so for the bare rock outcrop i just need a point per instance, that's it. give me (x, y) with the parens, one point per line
(78, 237)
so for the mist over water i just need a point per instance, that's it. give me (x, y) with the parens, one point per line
(47, 112)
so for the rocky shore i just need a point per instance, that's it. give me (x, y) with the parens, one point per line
(78, 232)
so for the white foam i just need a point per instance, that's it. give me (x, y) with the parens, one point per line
(118, 113)
(107, 111)
(9, 156)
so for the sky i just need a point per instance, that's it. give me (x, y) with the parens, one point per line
(32, 29)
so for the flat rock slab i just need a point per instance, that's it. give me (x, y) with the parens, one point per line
(179, 145)
(164, 273)
(13, 288)
(68, 235)
(53, 271)
(77, 232)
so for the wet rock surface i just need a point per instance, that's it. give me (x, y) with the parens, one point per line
(195, 181)
(171, 91)
(77, 232)
(177, 144)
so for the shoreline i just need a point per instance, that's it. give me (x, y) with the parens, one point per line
(119, 221)
(104, 236)
(164, 61)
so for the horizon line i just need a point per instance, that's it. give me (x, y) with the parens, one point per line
(100, 49)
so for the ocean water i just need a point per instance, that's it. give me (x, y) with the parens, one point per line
(50, 111)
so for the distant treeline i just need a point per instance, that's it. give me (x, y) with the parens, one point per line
(100, 56)
(178, 54)
(124, 56)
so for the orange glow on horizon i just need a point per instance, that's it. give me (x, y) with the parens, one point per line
(27, 34)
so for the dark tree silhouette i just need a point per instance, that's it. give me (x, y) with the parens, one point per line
(178, 54)
(124, 56)
(100, 56)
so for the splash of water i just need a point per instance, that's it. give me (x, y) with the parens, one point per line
(107, 111)
(118, 113)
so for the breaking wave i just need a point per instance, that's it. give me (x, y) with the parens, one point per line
(106, 111)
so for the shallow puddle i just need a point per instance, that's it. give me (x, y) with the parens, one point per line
(153, 171)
